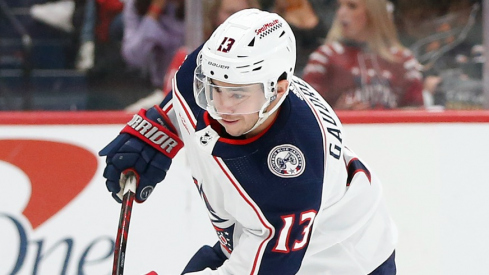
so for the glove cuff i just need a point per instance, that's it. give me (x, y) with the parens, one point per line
(158, 136)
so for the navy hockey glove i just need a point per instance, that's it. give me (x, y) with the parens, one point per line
(206, 257)
(146, 145)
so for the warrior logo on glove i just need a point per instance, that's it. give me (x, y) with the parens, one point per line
(158, 135)
(146, 145)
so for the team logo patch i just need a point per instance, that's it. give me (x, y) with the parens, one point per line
(286, 161)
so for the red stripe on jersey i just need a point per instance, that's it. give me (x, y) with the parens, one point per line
(255, 262)
(190, 117)
(168, 107)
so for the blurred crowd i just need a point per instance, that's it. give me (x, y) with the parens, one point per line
(358, 54)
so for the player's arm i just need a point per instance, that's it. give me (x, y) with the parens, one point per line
(149, 141)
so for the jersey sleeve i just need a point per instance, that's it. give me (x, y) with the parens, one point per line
(182, 82)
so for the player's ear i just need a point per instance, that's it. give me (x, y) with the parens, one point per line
(282, 86)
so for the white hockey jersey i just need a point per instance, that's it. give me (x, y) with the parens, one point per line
(292, 200)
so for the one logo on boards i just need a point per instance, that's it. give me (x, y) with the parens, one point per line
(68, 166)
(286, 161)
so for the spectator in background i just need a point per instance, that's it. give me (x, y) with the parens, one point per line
(85, 15)
(309, 29)
(75, 17)
(215, 13)
(57, 14)
(153, 31)
(362, 65)
(87, 21)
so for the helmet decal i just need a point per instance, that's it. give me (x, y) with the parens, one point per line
(226, 45)
(268, 28)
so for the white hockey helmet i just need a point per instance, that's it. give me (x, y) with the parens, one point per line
(251, 47)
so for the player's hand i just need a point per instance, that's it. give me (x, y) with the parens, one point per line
(206, 257)
(146, 146)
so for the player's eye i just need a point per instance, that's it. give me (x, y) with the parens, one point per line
(237, 96)
(217, 89)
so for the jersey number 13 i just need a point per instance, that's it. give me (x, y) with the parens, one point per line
(305, 222)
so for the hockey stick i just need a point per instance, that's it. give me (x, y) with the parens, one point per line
(130, 185)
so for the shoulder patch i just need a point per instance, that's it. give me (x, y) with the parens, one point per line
(286, 161)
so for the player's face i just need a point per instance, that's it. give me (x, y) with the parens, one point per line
(237, 105)
(238, 125)
(232, 99)
(352, 16)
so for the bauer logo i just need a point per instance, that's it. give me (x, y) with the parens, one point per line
(286, 161)
(220, 66)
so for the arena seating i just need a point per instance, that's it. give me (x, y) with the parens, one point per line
(36, 71)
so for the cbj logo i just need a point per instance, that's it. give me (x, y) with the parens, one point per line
(286, 161)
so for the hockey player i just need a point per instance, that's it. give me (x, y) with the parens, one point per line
(268, 156)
